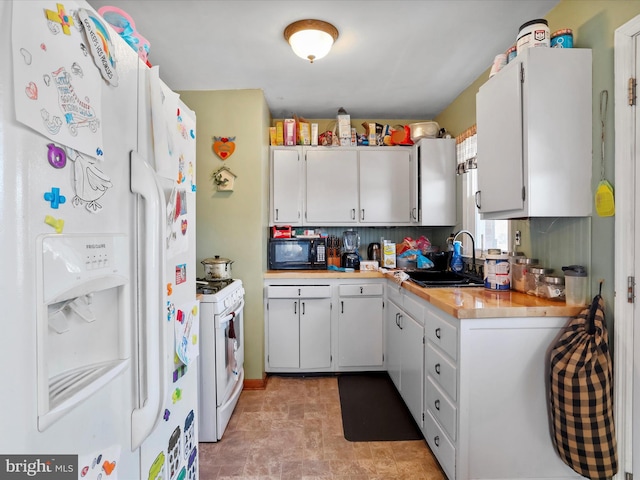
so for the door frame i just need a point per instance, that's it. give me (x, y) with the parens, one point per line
(625, 261)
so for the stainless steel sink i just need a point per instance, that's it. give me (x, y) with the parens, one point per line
(435, 278)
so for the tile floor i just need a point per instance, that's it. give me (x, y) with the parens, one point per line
(293, 430)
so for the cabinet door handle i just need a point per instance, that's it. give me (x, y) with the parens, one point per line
(478, 200)
(397, 324)
(437, 404)
(302, 307)
(413, 213)
(436, 440)
(353, 214)
(438, 333)
(362, 214)
(277, 214)
(341, 307)
(400, 318)
(295, 308)
(437, 368)
(361, 290)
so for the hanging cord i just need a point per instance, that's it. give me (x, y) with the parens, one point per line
(604, 102)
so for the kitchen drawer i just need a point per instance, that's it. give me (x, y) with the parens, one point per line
(360, 290)
(442, 370)
(442, 333)
(394, 293)
(441, 446)
(299, 291)
(414, 308)
(441, 408)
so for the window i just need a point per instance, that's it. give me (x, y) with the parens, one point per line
(487, 233)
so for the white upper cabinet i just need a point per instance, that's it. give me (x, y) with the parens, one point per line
(436, 181)
(286, 186)
(385, 186)
(331, 186)
(534, 121)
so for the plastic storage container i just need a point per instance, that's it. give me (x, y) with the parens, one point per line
(562, 38)
(497, 272)
(534, 283)
(576, 282)
(553, 288)
(534, 33)
(519, 272)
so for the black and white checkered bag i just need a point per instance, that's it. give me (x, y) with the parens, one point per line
(581, 395)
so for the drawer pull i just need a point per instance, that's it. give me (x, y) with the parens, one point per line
(438, 332)
(436, 440)
(437, 368)
(437, 404)
(361, 290)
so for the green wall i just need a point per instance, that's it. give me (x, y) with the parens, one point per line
(555, 240)
(234, 224)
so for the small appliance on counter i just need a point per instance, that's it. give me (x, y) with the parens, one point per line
(297, 253)
(373, 252)
(350, 255)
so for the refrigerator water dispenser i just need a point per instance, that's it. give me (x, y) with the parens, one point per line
(84, 313)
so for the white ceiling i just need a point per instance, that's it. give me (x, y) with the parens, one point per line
(393, 59)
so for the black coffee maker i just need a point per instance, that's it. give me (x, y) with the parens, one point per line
(350, 243)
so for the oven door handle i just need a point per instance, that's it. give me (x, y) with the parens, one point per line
(227, 318)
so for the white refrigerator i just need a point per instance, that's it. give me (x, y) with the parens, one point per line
(97, 229)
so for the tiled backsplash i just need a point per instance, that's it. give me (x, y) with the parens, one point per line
(437, 236)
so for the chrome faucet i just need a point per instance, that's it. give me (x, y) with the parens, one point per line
(473, 247)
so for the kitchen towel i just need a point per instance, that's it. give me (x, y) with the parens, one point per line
(581, 395)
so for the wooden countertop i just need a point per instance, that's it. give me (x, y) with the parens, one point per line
(479, 302)
(465, 302)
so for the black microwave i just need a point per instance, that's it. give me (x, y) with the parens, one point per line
(297, 254)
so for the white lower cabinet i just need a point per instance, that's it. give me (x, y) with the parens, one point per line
(405, 351)
(502, 417)
(485, 396)
(298, 334)
(327, 326)
(441, 387)
(360, 326)
(440, 445)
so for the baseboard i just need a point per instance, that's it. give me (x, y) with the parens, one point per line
(255, 383)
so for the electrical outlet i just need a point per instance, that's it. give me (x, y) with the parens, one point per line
(518, 236)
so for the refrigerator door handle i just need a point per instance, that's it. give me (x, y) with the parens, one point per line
(150, 316)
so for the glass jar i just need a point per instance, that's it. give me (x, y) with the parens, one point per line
(553, 288)
(519, 272)
(534, 281)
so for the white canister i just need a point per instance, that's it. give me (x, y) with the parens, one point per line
(534, 33)
(497, 271)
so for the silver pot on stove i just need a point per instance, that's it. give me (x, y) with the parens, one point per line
(218, 268)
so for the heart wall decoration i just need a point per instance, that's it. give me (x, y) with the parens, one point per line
(224, 146)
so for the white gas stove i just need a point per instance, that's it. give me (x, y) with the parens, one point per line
(223, 293)
(221, 359)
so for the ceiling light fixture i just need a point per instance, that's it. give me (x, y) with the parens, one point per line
(311, 39)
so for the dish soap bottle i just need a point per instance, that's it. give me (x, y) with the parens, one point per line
(456, 260)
